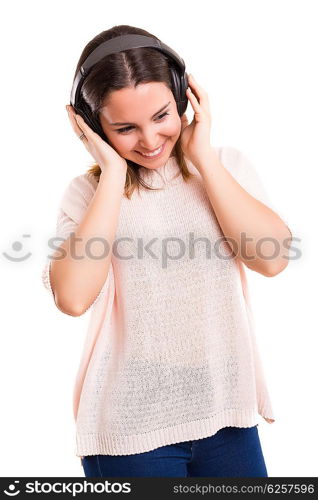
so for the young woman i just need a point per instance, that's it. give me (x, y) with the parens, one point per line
(156, 235)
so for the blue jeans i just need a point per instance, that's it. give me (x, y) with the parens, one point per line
(231, 452)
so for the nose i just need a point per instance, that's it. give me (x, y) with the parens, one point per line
(150, 141)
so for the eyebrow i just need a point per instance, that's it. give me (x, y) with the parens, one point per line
(127, 123)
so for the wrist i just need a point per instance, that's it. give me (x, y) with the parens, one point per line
(114, 172)
(209, 161)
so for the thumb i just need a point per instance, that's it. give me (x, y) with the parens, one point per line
(184, 121)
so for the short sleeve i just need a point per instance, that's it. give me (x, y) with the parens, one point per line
(72, 208)
(245, 173)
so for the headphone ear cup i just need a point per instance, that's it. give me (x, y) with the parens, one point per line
(183, 82)
(179, 85)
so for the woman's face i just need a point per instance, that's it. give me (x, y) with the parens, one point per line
(140, 120)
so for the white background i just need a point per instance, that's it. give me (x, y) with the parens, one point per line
(257, 60)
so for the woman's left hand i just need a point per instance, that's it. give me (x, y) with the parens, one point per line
(195, 138)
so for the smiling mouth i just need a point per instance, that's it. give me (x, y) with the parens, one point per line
(158, 152)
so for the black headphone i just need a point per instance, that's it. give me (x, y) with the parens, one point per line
(179, 77)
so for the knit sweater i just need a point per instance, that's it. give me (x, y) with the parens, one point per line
(170, 353)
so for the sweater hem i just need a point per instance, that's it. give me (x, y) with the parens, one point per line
(109, 444)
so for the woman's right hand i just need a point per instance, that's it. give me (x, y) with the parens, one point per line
(104, 155)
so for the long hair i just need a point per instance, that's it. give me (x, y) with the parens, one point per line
(120, 70)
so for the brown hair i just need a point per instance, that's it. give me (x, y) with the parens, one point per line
(121, 70)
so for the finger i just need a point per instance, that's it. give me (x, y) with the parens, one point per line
(81, 124)
(192, 81)
(72, 116)
(89, 133)
(199, 92)
(184, 123)
(193, 100)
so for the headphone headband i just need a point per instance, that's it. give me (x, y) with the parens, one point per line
(119, 44)
(125, 42)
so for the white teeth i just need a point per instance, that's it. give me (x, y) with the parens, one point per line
(157, 151)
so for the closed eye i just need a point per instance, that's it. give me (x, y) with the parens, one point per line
(126, 129)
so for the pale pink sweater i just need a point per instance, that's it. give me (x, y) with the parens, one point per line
(170, 353)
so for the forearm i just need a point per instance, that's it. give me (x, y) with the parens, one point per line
(78, 277)
(245, 221)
